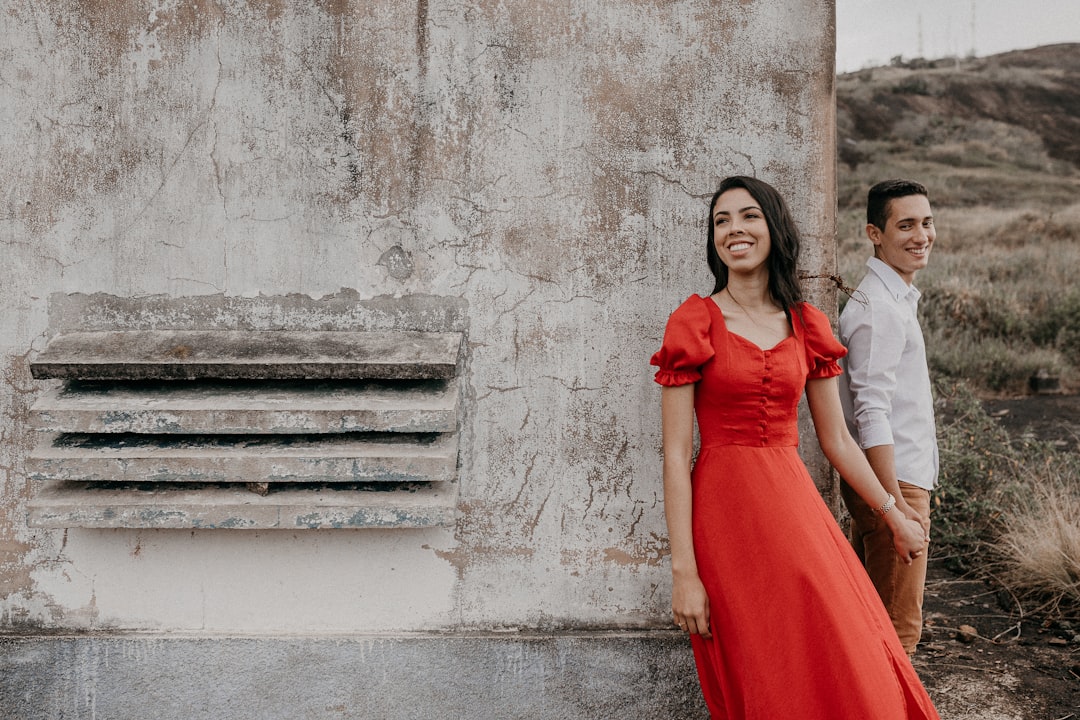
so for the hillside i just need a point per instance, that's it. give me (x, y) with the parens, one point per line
(1000, 129)
(997, 142)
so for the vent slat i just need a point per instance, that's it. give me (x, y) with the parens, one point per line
(71, 504)
(256, 408)
(252, 355)
(247, 429)
(108, 458)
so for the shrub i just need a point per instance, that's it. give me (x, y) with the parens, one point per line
(1059, 324)
(914, 85)
(1038, 549)
(991, 364)
(1007, 509)
(997, 305)
(978, 469)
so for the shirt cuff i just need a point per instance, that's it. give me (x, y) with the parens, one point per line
(874, 431)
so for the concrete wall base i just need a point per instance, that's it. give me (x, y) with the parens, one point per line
(591, 676)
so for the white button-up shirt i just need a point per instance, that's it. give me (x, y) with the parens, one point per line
(885, 389)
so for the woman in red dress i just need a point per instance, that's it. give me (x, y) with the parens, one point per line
(783, 620)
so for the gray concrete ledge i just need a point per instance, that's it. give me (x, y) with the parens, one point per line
(251, 355)
(344, 310)
(239, 407)
(593, 676)
(223, 459)
(74, 504)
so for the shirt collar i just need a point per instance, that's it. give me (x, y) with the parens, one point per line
(893, 282)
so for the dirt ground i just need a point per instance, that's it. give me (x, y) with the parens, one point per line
(1055, 418)
(980, 659)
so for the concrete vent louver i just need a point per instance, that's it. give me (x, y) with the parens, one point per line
(247, 430)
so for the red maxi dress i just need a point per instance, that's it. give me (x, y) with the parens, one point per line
(798, 630)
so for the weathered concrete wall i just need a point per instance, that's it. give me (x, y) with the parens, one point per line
(572, 677)
(543, 164)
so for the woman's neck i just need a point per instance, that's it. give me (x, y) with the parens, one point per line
(752, 292)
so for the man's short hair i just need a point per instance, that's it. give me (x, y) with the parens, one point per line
(879, 197)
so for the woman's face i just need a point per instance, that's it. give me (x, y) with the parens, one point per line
(740, 233)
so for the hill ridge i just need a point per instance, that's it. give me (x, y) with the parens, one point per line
(1017, 113)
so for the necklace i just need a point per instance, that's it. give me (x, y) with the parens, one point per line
(771, 331)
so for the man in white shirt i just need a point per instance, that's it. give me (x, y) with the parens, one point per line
(885, 392)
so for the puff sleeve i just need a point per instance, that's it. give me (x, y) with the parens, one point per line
(823, 350)
(686, 345)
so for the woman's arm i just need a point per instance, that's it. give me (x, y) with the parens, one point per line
(883, 459)
(844, 453)
(689, 601)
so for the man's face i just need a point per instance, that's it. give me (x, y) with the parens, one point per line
(904, 243)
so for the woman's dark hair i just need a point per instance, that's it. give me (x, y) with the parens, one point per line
(784, 255)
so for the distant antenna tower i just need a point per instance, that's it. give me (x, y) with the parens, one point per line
(918, 26)
(972, 53)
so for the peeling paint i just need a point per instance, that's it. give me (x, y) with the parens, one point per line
(530, 174)
(17, 392)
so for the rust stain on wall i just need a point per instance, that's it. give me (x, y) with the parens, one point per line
(462, 558)
(75, 174)
(91, 140)
(336, 8)
(272, 10)
(177, 27)
(641, 116)
(16, 441)
(111, 28)
(538, 248)
(644, 552)
(640, 556)
(530, 27)
(376, 70)
(108, 27)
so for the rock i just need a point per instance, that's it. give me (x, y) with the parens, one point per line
(1042, 382)
(966, 634)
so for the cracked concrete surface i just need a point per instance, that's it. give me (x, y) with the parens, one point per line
(538, 170)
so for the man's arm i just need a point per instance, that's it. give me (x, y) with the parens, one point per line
(875, 340)
(883, 460)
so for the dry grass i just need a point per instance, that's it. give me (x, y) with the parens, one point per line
(1007, 509)
(1039, 545)
(999, 293)
(1000, 296)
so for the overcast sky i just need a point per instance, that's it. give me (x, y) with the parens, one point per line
(872, 32)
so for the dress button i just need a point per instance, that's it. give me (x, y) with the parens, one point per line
(765, 379)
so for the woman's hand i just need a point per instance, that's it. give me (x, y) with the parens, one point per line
(909, 536)
(690, 605)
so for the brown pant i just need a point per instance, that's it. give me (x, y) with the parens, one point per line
(899, 585)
